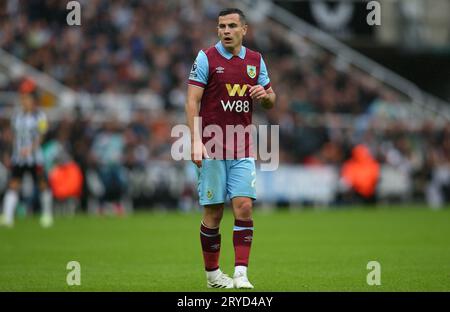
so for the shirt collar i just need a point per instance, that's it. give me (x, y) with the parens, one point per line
(228, 55)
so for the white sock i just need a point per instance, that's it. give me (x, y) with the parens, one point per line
(211, 275)
(46, 203)
(240, 270)
(9, 206)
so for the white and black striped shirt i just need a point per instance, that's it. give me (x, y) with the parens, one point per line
(28, 127)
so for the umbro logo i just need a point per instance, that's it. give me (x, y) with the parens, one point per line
(215, 246)
(220, 70)
(248, 239)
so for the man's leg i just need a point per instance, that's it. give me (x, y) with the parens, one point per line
(242, 239)
(210, 238)
(45, 196)
(241, 189)
(212, 177)
(210, 241)
(10, 202)
(46, 206)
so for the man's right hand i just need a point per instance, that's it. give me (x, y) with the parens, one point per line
(198, 153)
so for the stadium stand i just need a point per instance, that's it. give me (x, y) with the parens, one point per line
(128, 66)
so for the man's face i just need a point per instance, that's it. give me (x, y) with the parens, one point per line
(230, 30)
(27, 102)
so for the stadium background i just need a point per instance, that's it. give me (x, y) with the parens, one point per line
(114, 87)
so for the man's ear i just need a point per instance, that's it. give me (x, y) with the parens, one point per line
(245, 27)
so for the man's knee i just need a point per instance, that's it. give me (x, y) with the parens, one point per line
(243, 209)
(214, 220)
(213, 215)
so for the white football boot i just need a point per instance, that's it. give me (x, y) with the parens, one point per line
(241, 281)
(46, 220)
(4, 223)
(218, 279)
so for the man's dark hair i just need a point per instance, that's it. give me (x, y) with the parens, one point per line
(234, 11)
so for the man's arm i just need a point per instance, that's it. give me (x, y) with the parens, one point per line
(269, 101)
(31, 148)
(267, 97)
(259, 93)
(194, 96)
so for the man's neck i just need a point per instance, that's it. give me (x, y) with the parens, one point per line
(235, 50)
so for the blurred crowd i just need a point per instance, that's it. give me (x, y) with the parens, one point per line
(146, 48)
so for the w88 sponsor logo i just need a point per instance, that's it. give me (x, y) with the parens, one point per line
(238, 106)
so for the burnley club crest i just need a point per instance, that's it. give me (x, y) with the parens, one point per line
(251, 71)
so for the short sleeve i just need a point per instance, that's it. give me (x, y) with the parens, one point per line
(199, 71)
(263, 78)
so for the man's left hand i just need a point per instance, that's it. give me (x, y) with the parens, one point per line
(257, 92)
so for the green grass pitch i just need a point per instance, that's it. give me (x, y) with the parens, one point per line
(292, 251)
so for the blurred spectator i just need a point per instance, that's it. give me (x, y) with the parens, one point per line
(107, 150)
(438, 189)
(66, 182)
(359, 176)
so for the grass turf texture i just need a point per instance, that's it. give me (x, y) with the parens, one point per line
(292, 251)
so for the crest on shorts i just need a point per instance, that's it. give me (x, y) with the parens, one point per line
(251, 71)
(209, 194)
